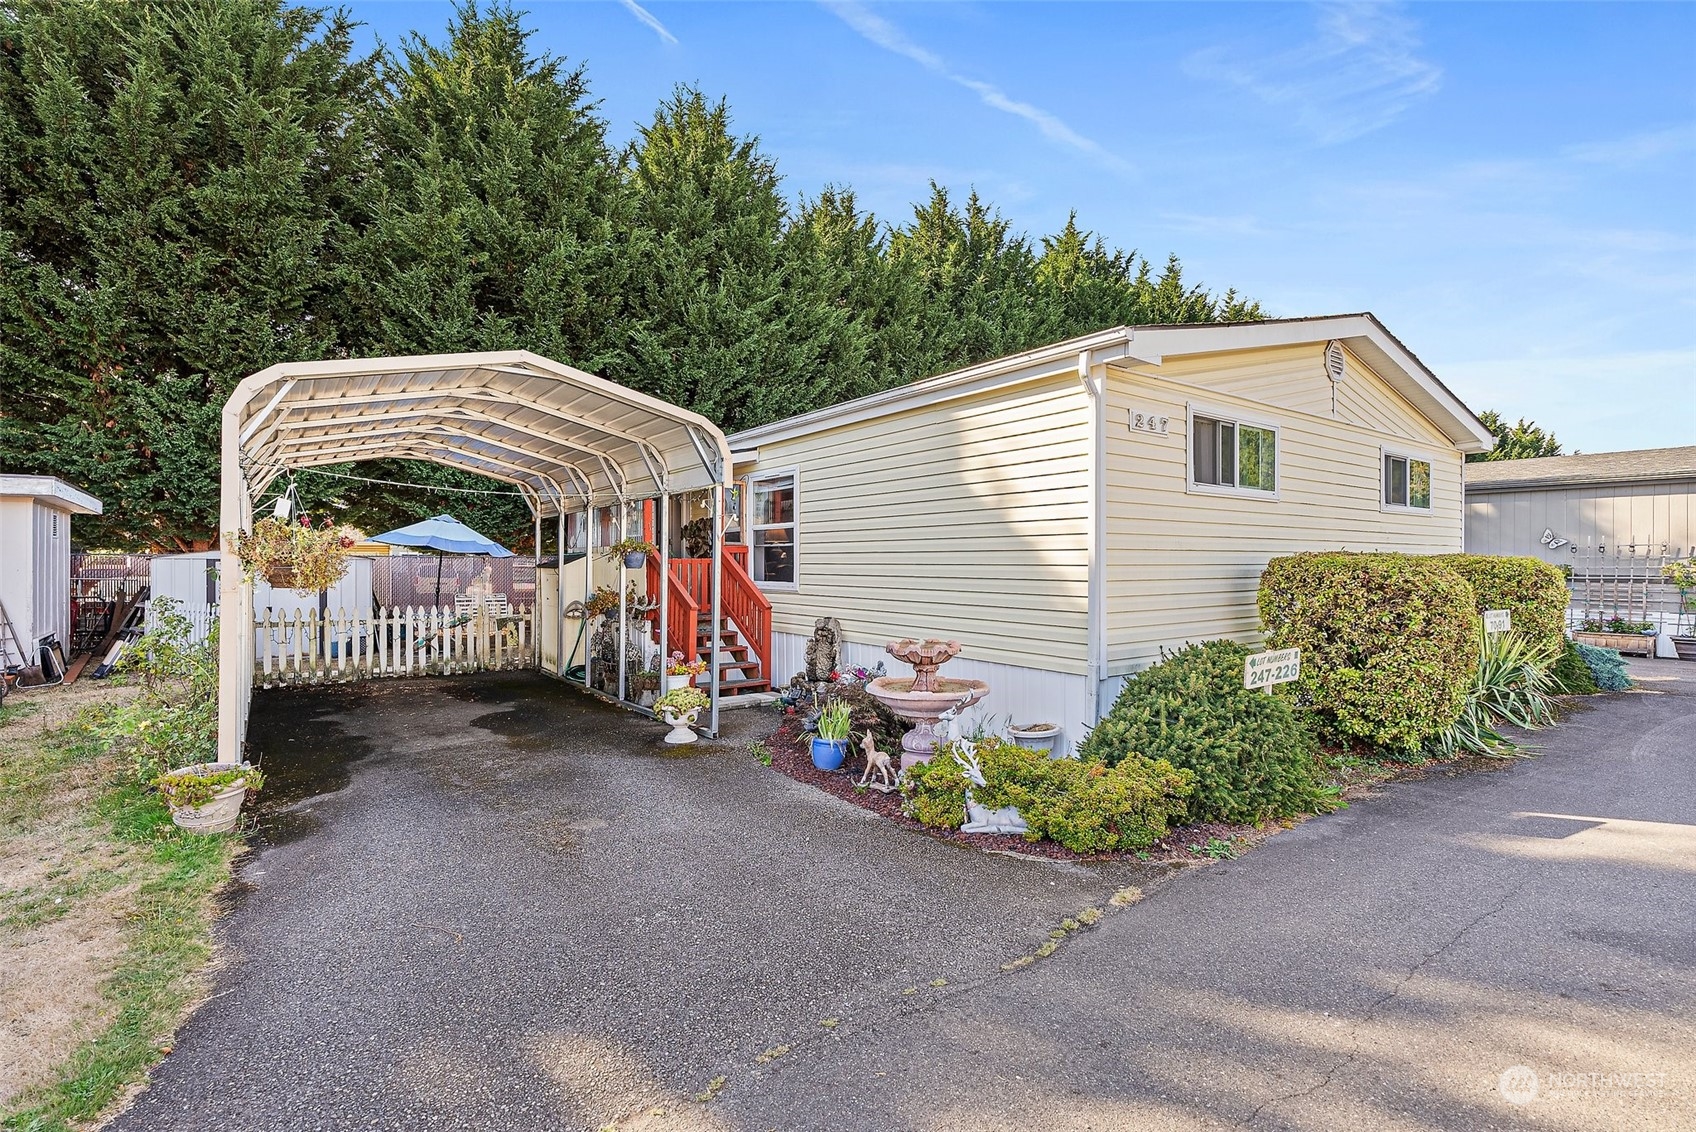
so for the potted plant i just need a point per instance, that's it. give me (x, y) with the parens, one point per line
(1682, 573)
(633, 551)
(294, 555)
(680, 673)
(207, 797)
(680, 709)
(830, 735)
(1036, 736)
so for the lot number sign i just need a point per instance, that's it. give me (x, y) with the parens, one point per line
(1264, 669)
(1497, 621)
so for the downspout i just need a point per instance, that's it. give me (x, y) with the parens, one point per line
(1095, 540)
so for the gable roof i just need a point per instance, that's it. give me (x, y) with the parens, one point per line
(1362, 333)
(1644, 465)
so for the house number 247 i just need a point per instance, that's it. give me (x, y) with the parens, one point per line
(1149, 422)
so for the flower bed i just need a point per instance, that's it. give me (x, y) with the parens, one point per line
(790, 756)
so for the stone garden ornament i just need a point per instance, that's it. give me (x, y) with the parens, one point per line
(824, 650)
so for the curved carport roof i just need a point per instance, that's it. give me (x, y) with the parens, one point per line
(563, 437)
(566, 439)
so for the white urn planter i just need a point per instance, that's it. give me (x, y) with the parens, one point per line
(681, 723)
(219, 815)
(1039, 738)
(672, 683)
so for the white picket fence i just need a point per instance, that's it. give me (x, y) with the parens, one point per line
(302, 647)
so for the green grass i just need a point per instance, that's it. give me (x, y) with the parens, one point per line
(167, 933)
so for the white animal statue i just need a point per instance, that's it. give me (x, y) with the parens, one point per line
(979, 818)
(879, 762)
(948, 727)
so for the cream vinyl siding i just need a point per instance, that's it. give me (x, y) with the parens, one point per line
(1294, 377)
(965, 519)
(1184, 565)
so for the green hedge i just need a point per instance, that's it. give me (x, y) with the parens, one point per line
(1388, 640)
(1087, 807)
(1533, 592)
(1251, 755)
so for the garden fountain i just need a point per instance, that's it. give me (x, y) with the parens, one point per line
(922, 698)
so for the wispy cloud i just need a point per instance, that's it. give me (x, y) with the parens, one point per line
(649, 19)
(886, 35)
(1358, 75)
(1635, 149)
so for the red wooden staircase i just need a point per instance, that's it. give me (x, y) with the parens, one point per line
(742, 638)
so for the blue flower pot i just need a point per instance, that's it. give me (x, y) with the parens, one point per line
(635, 560)
(828, 754)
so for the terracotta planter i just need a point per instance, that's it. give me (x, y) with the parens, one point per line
(219, 815)
(1631, 644)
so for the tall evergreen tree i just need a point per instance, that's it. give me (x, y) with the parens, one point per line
(714, 320)
(495, 205)
(1522, 441)
(172, 200)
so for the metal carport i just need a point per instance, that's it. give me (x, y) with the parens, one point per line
(566, 439)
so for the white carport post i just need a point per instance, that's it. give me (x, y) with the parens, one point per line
(235, 596)
(662, 528)
(559, 591)
(717, 551)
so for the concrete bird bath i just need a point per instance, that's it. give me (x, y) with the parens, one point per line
(922, 698)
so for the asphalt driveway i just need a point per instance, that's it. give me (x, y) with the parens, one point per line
(491, 903)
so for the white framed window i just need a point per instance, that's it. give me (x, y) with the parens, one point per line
(771, 529)
(1406, 481)
(1229, 454)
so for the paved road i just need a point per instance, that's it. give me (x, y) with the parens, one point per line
(507, 912)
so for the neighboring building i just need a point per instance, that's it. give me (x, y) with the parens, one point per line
(1069, 512)
(1562, 508)
(35, 560)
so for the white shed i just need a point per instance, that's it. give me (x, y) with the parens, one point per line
(35, 558)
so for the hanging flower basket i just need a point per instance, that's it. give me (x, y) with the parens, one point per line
(294, 555)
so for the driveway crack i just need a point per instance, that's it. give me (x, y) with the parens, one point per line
(1378, 1004)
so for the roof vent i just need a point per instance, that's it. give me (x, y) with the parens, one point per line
(1334, 360)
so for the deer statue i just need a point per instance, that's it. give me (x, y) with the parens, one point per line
(879, 762)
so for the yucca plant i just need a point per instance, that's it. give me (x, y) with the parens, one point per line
(1515, 685)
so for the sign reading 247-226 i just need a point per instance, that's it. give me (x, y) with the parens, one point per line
(1264, 669)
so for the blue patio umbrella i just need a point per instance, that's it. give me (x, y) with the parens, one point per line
(445, 535)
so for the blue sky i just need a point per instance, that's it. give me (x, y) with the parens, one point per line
(1511, 188)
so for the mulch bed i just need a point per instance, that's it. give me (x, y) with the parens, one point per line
(792, 756)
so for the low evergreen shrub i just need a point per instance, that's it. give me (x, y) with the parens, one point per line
(1087, 807)
(1386, 639)
(1571, 675)
(1252, 756)
(1533, 592)
(1606, 666)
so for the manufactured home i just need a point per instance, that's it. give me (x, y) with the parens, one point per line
(1069, 512)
